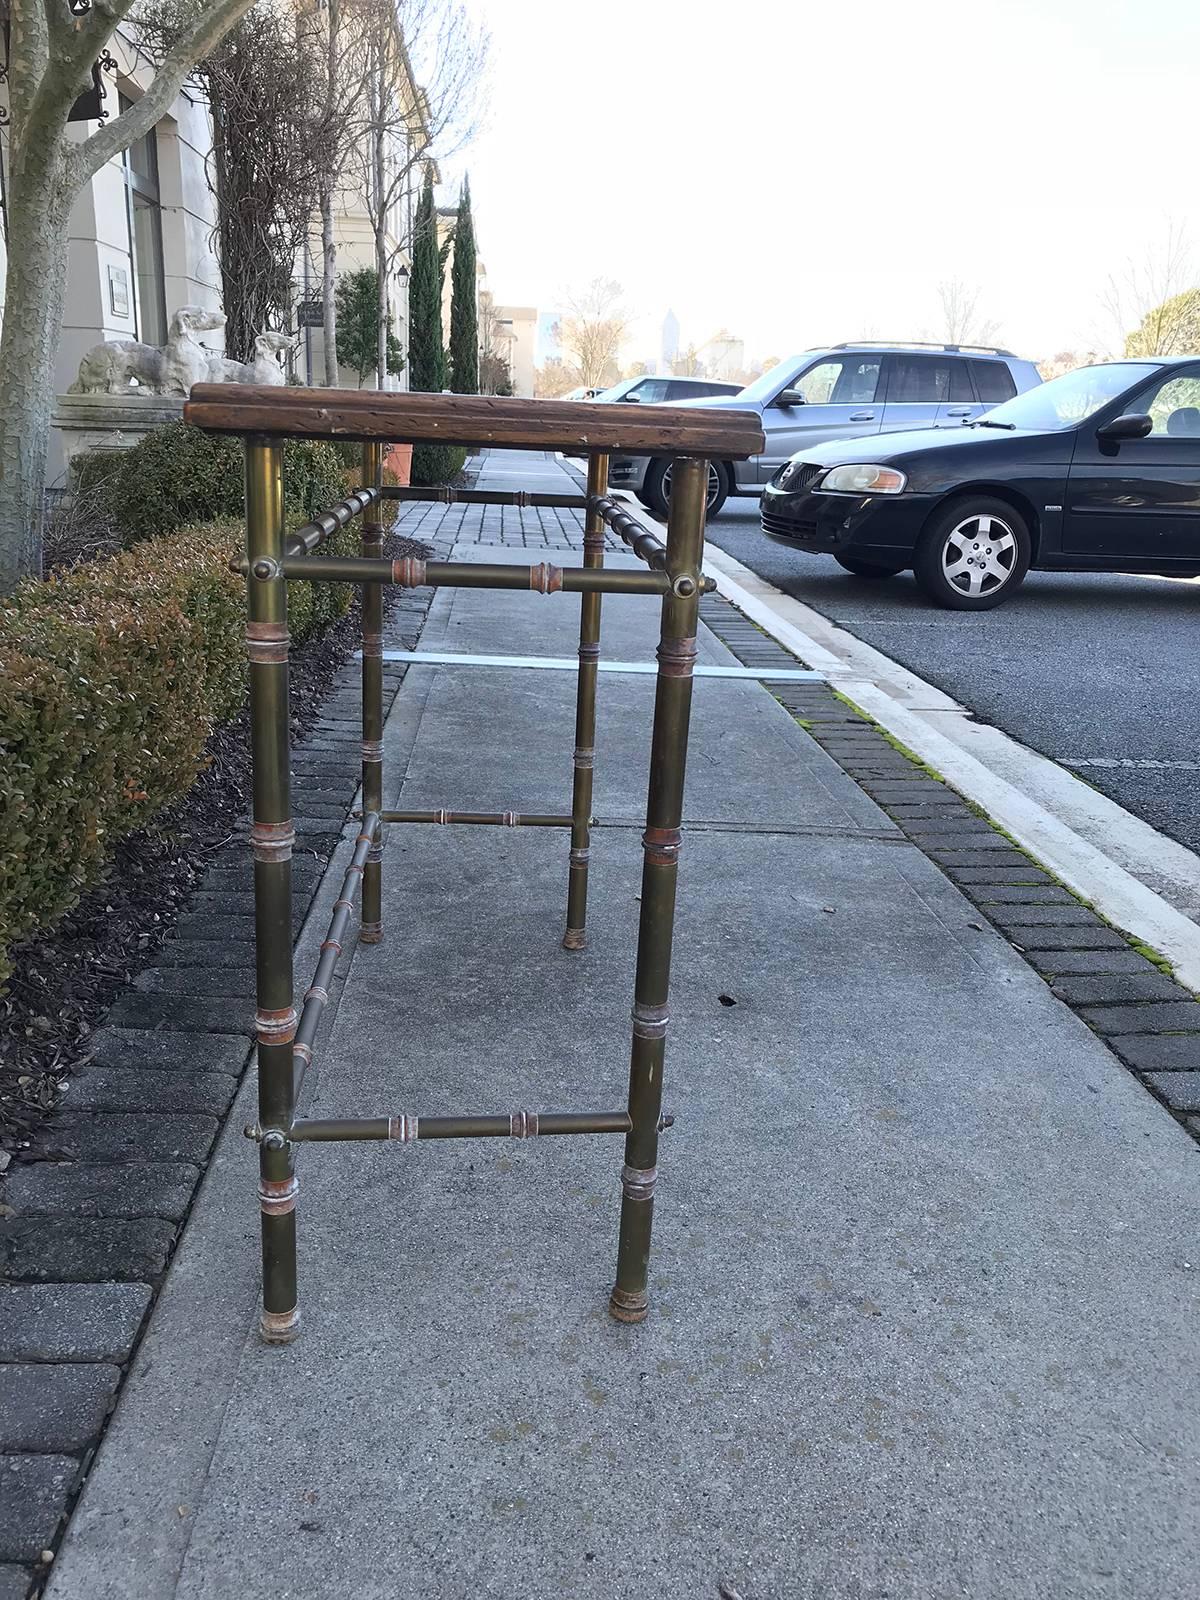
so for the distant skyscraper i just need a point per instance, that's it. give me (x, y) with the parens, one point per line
(670, 342)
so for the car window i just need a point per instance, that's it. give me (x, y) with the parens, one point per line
(960, 383)
(922, 380)
(651, 391)
(845, 382)
(994, 382)
(1173, 404)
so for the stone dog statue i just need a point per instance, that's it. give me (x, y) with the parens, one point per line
(114, 367)
(265, 368)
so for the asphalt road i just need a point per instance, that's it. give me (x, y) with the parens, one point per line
(1099, 672)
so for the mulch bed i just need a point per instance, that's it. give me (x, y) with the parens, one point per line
(64, 982)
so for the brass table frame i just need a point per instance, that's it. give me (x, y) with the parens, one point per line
(264, 417)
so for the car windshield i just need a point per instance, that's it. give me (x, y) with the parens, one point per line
(1067, 401)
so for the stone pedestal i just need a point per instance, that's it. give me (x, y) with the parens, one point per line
(109, 421)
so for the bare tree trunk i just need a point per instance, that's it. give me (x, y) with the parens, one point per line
(381, 264)
(329, 291)
(50, 56)
(37, 270)
(328, 242)
(381, 349)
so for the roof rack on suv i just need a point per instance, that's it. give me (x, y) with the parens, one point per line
(919, 344)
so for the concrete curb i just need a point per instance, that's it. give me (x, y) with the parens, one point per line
(1114, 860)
(902, 703)
(94, 1210)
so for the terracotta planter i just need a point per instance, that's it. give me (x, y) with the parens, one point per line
(398, 459)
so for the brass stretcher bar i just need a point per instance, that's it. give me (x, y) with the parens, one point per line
(482, 819)
(410, 572)
(313, 534)
(264, 417)
(317, 995)
(639, 539)
(443, 494)
(407, 1129)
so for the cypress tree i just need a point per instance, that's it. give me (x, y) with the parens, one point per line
(431, 463)
(464, 307)
(426, 357)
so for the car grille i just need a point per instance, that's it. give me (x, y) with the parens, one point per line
(798, 475)
(790, 528)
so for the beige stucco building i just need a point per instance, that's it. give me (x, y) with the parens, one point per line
(140, 232)
(141, 235)
(516, 341)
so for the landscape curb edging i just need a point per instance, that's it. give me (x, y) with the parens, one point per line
(95, 1208)
(907, 707)
(1092, 965)
(1147, 1019)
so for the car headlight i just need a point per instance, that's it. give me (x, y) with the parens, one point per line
(864, 480)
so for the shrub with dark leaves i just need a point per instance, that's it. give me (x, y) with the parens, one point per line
(115, 674)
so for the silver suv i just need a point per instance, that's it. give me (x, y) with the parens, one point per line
(649, 390)
(842, 391)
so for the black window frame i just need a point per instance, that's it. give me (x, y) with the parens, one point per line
(143, 192)
(948, 359)
(991, 366)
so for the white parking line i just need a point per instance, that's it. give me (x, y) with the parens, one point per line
(1131, 763)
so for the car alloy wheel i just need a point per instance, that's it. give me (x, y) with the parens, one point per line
(714, 486)
(973, 553)
(979, 555)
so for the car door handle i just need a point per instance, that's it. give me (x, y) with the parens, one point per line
(963, 411)
(862, 416)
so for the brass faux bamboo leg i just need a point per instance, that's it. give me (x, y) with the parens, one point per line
(272, 837)
(371, 926)
(575, 937)
(661, 841)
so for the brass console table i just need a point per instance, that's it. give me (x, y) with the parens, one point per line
(264, 417)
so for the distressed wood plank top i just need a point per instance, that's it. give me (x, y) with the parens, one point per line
(577, 427)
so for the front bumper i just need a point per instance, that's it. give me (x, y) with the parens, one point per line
(885, 525)
(627, 472)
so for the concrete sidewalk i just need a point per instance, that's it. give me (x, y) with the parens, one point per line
(922, 1312)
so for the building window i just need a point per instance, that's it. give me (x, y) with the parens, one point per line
(140, 167)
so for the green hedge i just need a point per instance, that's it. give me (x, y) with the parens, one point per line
(178, 476)
(431, 463)
(115, 674)
(437, 463)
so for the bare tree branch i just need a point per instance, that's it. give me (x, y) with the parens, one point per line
(592, 330)
(1141, 302)
(208, 29)
(961, 322)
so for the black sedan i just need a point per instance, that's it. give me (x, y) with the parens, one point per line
(1096, 471)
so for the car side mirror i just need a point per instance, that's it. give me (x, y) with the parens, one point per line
(1134, 425)
(789, 397)
(632, 399)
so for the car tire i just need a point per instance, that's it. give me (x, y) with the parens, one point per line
(656, 486)
(973, 553)
(870, 569)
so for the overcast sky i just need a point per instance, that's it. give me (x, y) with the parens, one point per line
(806, 172)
